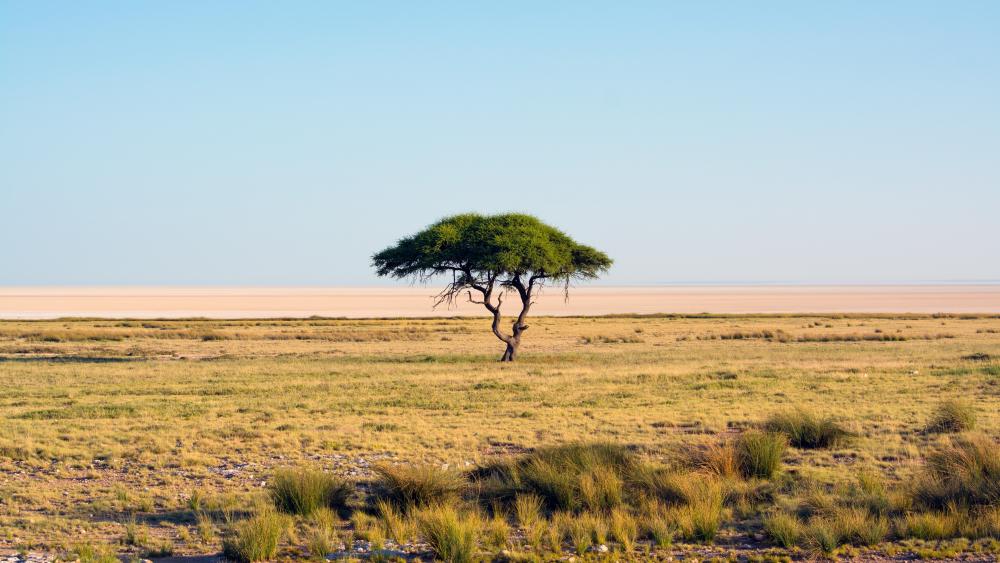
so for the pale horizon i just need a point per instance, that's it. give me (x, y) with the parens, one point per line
(418, 301)
(246, 143)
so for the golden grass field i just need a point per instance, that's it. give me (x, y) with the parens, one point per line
(108, 427)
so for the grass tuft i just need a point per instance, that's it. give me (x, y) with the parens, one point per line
(806, 430)
(409, 487)
(857, 526)
(785, 530)
(965, 473)
(952, 416)
(255, 539)
(821, 536)
(700, 518)
(759, 453)
(304, 491)
(624, 529)
(451, 536)
(580, 535)
(927, 526)
(571, 477)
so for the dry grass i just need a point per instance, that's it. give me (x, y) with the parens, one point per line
(103, 420)
(451, 535)
(255, 539)
(952, 416)
(408, 487)
(806, 430)
(303, 491)
(758, 454)
(965, 473)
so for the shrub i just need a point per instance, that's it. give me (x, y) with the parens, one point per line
(451, 536)
(805, 430)
(416, 486)
(965, 473)
(759, 453)
(255, 539)
(783, 529)
(624, 529)
(303, 491)
(952, 416)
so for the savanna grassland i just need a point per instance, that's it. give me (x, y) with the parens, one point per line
(710, 436)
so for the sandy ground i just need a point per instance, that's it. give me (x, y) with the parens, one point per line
(230, 302)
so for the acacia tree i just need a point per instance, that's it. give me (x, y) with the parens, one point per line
(493, 256)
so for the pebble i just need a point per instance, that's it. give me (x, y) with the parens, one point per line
(28, 558)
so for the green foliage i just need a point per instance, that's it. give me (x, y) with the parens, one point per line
(759, 453)
(805, 430)
(508, 244)
(303, 491)
(952, 416)
(414, 486)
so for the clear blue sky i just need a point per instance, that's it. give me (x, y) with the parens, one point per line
(261, 143)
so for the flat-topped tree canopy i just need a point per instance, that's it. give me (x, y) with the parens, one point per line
(508, 244)
(512, 251)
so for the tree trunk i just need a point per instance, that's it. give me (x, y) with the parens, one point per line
(513, 341)
(510, 354)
